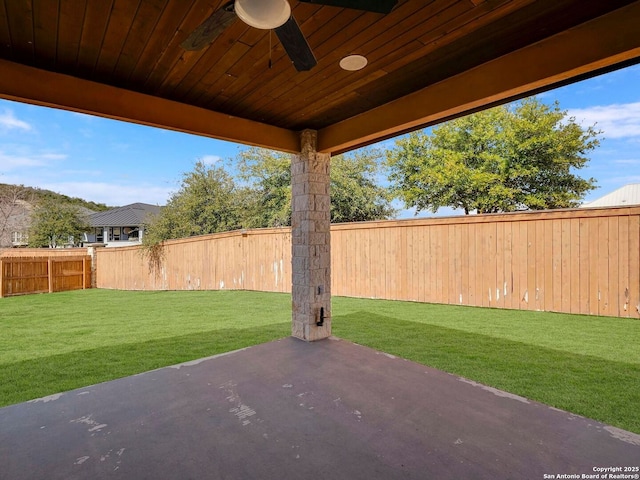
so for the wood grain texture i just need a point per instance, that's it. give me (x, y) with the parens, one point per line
(24, 275)
(427, 61)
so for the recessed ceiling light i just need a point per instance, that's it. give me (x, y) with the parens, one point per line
(353, 63)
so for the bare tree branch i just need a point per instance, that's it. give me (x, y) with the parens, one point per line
(13, 202)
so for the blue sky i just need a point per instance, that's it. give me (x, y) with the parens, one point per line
(119, 163)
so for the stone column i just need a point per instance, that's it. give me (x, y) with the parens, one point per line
(310, 240)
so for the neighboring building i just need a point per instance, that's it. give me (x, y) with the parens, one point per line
(627, 195)
(120, 226)
(15, 232)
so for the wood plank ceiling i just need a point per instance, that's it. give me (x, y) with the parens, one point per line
(134, 46)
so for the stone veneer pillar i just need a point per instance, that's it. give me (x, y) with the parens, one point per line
(310, 240)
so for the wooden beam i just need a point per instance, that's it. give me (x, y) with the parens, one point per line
(40, 87)
(600, 43)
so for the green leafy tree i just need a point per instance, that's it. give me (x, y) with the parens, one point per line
(267, 197)
(355, 192)
(508, 158)
(205, 203)
(55, 224)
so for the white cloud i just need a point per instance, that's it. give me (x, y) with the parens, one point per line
(624, 180)
(8, 121)
(630, 162)
(13, 161)
(82, 172)
(111, 193)
(52, 156)
(615, 121)
(210, 159)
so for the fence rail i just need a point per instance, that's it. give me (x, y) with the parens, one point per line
(40, 274)
(576, 261)
(43, 252)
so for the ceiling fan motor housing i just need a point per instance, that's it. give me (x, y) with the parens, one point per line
(263, 14)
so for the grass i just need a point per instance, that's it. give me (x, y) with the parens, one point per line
(586, 365)
(56, 342)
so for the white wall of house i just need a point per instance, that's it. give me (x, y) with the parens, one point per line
(115, 236)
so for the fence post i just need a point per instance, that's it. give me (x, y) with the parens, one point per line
(244, 275)
(92, 251)
(84, 273)
(1, 278)
(50, 273)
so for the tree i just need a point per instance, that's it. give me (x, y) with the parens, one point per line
(205, 203)
(508, 158)
(54, 224)
(268, 194)
(14, 200)
(355, 193)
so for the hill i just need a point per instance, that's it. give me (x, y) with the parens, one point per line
(35, 195)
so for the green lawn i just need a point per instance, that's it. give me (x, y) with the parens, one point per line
(586, 365)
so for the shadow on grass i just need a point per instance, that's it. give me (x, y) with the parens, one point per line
(604, 390)
(40, 377)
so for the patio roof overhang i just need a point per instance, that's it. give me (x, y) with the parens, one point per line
(428, 61)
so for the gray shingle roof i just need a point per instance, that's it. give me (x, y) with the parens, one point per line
(132, 215)
(627, 195)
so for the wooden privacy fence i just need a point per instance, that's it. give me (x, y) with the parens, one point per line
(576, 261)
(40, 274)
(247, 260)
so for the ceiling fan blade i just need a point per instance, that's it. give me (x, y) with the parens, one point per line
(377, 6)
(296, 45)
(209, 30)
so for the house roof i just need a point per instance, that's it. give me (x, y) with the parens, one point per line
(85, 211)
(427, 62)
(626, 195)
(132, 215)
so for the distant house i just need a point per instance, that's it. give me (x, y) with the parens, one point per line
(120, 226)
(627, 195)
(15, 222)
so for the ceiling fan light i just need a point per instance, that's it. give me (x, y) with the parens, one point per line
(353, 63)
(263, 14)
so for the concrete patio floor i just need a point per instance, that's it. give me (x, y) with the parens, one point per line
(294, 410)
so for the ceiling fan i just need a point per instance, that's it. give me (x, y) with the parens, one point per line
(274, 15)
